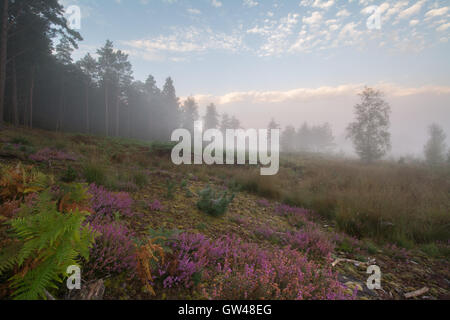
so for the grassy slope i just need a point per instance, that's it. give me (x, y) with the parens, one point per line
(302, 181)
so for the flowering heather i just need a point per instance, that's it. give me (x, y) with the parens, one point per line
(155, 206)
(263, 203)
(313, 242)
(231, 269)
(113, 252)
(48, 154)
(106, 204)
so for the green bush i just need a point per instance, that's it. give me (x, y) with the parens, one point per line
(95, 174)
(70, 175)
(213, 204)
(140, 179)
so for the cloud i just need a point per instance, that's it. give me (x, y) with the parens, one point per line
(188, 40)
(216, 3)
(250, 3)
(320, 93)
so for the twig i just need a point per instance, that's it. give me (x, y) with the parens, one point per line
(337, 261)
(416, 293)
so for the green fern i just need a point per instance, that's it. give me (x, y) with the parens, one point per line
(50, 241)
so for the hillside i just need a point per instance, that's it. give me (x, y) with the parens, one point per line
(279, 237)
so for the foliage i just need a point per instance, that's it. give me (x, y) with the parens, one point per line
(237, 270)
(70, 175)
(94, 174)
(435, 147)
(170, 185)
(106, 204)
(148, 254)
(212, 203)
(50, 242)
(114, 251)
(16, 182)
(370, 131)
(47, 154)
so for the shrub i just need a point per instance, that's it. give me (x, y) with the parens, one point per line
(70, 175)
(106, 204)
(47, 154)
(19, 181)
(233, 269)
(94, 174)
(113, 252)
(21, 141)
(48, 243)
(213, 204)
(140, 179)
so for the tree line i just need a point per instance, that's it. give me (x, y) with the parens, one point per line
(41, 86)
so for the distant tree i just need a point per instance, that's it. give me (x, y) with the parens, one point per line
(225, 122)
(288, 139)
(63, 55)
(303, 138)
(370, 131)
(22, 18)
(322, 139)
(88, 66)
(189, 114)
(211, 119)
(435, 147)
(124, 76)
(106, 65)
(171, 115)
(272, 126)
(235, 123)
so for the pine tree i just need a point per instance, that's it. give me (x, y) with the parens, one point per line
(211, 119)
(190, 114)
(435, 147)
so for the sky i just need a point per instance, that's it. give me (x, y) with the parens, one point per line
(295, 60)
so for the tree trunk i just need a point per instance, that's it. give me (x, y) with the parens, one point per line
(15, 103)
(31, 96)
(87, 107)
(117, 116)
(106, 110)
(3, 57)
(61, 102)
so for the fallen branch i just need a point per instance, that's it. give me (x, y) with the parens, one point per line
(337, 261)
(416, 293)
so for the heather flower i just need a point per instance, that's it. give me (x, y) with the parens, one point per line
(155, 206)
(107, 204)
(113, 252)
(233, 269)
(263, 203)
(47, 154)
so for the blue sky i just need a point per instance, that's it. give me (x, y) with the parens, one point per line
(273, 57)
(216, 46)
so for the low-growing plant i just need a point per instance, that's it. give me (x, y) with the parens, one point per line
(113, 253)
(170, 185)
(70, 175)
(140, 179)
(48, 242)
(94, 173)
(214, 204)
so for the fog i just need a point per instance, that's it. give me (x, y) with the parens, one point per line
(413, 110)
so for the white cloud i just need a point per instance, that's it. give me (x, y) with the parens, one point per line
(320, 93)
(250, 3)
(216, 3)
